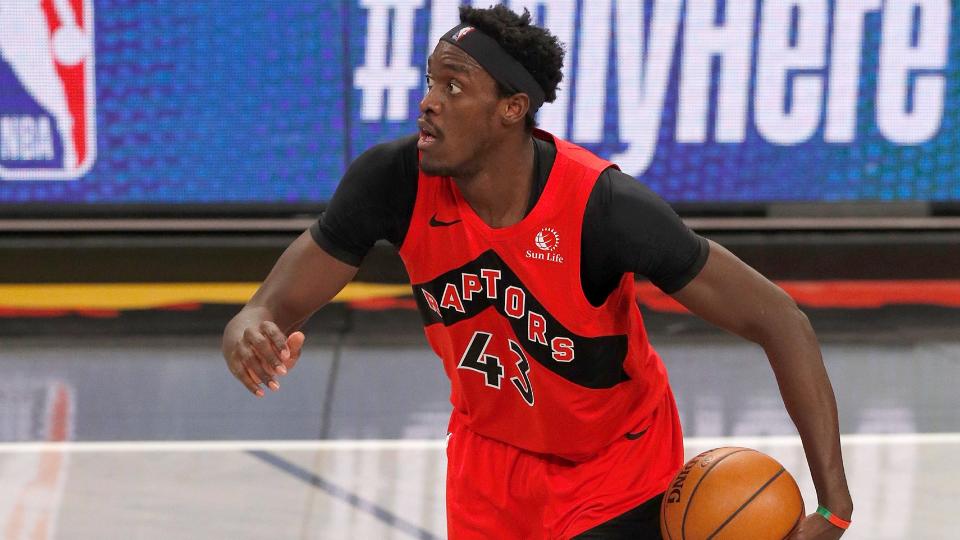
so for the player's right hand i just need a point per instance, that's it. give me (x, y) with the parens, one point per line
(263, 354)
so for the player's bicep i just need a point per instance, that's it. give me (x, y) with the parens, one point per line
(303, 279)
(731, 295)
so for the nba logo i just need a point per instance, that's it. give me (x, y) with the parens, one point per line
(47, 99)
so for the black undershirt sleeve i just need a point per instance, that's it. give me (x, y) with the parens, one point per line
(628, 228)
(374, 201)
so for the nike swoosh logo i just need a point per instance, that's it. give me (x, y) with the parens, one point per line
(637, 435)
(434, 222)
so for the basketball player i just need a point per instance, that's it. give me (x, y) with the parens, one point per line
(522, 249)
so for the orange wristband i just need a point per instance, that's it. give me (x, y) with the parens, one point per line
(834, 520)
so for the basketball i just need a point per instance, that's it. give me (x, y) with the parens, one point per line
(731, 493)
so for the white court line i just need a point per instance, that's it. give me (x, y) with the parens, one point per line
(429, 444)
(224, 446)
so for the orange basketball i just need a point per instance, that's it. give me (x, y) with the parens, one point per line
(731, 493)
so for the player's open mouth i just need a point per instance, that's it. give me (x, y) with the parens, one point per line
(425, 140)
(428, 135)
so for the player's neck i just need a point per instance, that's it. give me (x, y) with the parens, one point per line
(500, 191)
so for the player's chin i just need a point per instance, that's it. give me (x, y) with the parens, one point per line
(433, 167)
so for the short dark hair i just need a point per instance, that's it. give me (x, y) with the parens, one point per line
(537, 50)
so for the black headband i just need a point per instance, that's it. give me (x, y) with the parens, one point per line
(499, 64)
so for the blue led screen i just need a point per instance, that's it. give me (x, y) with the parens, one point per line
(706, 101)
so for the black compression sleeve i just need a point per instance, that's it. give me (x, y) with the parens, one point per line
(373, 201)
(628, 228)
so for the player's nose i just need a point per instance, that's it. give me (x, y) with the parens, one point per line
(430, 102)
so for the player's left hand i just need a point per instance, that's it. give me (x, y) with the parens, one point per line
(814, 527)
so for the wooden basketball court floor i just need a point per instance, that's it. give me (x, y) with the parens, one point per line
(149, 437)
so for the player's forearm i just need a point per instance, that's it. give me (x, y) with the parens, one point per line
(809, 398)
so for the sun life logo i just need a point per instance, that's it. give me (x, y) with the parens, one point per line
(547, 241)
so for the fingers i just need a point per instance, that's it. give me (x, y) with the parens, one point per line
(279, 343)
(295, 346)
(267, 357)
(251, 364)
(262, 354)
(245, 376)
(260, 368)
(255, 379)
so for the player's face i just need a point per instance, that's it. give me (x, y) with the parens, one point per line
(457, 115)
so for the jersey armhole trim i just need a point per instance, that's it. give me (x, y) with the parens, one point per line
(415, 212)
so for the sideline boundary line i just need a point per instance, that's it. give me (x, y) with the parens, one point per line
(427, 444)
(344, 495)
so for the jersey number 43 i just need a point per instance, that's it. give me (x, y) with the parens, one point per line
(475, 358)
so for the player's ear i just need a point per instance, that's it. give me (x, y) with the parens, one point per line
(514, 108)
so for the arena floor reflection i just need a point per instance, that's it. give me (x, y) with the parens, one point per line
(150, 438)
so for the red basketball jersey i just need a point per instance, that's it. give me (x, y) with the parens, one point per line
(532, 363)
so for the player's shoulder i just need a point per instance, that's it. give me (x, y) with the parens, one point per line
(620, 204)
(614, 185)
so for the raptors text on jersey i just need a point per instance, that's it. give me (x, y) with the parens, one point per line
(531, 362)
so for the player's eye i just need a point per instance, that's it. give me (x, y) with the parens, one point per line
(454, 89)
(429, 81)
